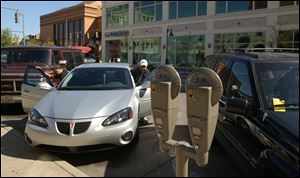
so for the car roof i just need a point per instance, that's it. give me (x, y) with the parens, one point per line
(100, 65)
(262, 56)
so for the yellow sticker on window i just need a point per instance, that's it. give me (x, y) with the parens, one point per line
(278, 105)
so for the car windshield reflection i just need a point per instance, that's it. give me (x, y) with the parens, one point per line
(279, 80)
(97, 79)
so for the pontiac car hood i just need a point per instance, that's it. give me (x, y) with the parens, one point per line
(83, 104)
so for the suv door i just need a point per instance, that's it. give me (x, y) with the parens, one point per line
(31, 89)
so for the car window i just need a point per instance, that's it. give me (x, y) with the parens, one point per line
(55, 56)
(210, 61)
(223, 69)
(278, 80)
(78, 57)
(34, 76)
(23, 56)
(69, 58)
(239, 76)
(97, 79)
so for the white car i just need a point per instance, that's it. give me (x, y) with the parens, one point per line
(96, 105)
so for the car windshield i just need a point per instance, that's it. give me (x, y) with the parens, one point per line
(23, 56)
(279, 80)
(97, 79)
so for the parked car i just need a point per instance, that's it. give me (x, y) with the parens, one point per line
(95, 107)
(15, 59)
(258, 120)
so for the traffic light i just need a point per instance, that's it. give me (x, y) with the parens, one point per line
(17, 17)
(97, 34)
(87, 35)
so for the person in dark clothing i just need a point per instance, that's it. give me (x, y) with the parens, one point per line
(141, 72)
(59, 73)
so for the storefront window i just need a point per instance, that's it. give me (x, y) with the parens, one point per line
(118, 49)
(186, 51)
(182, 9)
(220, 7)
(235, 41)
(186, 9)
(288, 39)
(117, 16)
(202, 8)
(147, 48)
(234, 6)
(147, 11)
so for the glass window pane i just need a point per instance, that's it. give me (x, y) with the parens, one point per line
(260, 4)
(147, 3)
(137, 4)
(172, 10)
(286, 3)
(202, 8)
(158, 15)
(220, 7)
(234, 6)
(186, 9)
(147, 14)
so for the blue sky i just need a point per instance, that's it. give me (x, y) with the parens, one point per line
(32, 11)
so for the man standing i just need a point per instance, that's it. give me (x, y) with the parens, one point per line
(141, 72)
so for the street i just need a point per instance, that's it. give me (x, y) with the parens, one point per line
(140, 160)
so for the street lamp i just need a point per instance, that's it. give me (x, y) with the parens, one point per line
(169, 33)
(17, 15)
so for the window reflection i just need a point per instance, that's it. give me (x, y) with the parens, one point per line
(147, 48)
(147, 11)
(117, 16)
(186, 51)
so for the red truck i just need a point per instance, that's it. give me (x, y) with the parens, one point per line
(14, 61)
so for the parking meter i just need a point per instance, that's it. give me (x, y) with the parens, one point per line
(165, 89)
(203, 91)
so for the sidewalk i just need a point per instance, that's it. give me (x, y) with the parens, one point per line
(20, 160)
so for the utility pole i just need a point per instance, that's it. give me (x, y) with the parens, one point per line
(17, 14)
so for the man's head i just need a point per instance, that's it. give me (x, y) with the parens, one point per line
(143, 65)
(58, 69)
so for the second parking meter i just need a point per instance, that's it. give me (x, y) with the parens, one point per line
(165, 89)
(203, 91)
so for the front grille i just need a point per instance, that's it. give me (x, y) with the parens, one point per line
(66, 127)
(81, 127)
(63, 127)
(7, 86)
(18, 85)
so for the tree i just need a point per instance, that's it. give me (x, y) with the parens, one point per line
(48, 43)
(8, 39)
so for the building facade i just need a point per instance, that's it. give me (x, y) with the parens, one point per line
(184, 32)
(78, 25)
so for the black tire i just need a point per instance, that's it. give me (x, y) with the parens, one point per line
(136, 137)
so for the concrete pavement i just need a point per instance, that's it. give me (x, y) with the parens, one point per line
(20, 160)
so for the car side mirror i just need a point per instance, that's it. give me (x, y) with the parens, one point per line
(44, 86)
(239, 106)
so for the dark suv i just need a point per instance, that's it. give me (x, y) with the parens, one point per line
(258, 123)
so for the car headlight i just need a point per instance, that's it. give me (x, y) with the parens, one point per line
(36, 119)
(118, 117)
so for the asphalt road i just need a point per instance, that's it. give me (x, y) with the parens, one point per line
(139, 160)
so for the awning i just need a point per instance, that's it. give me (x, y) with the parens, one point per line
(84, 49)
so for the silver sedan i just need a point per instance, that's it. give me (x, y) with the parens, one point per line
(96, 105)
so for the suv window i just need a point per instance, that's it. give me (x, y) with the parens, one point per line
(28, 56)
(55, 56)
(69, 58)
(240, 77)
(78, 58)
(223, 69)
